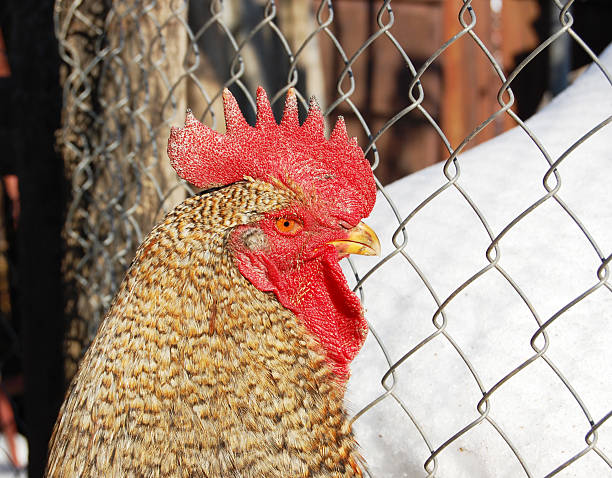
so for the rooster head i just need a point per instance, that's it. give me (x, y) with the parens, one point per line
(292, 251)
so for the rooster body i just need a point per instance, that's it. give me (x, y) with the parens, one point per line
(208, 364)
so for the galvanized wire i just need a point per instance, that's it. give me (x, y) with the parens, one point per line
(132, 67)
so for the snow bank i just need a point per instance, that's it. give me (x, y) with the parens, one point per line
(547, 256)
(7, 468)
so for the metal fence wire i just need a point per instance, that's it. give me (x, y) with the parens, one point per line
(132, 67)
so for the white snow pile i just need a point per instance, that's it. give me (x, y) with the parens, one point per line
(552, 262)
(7, 467)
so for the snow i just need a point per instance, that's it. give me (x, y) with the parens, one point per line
(548, 258)
(7, 468)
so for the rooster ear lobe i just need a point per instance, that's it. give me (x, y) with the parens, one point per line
(234, 120)
(339, 134)
(314, 126)
(290, 115)
(265, 117)
(256, 271)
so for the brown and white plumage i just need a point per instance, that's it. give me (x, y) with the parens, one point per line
(196, 372)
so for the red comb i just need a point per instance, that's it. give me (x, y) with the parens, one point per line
(285, 151)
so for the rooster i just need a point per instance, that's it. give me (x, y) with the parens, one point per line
(225, 352)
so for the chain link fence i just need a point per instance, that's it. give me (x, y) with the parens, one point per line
(133, 67)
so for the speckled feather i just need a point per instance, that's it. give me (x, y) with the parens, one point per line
(225, 351)
(197, 373)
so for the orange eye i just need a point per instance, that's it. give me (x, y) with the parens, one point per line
(286, 225)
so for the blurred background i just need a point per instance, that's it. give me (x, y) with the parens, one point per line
(88, 91)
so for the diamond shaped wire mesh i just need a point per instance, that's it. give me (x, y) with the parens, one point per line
(132, 69)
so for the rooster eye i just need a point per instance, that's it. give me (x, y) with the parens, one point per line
(286, 225)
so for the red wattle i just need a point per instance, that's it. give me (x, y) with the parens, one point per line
(317, 292)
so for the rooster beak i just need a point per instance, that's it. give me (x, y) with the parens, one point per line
(361, 240)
